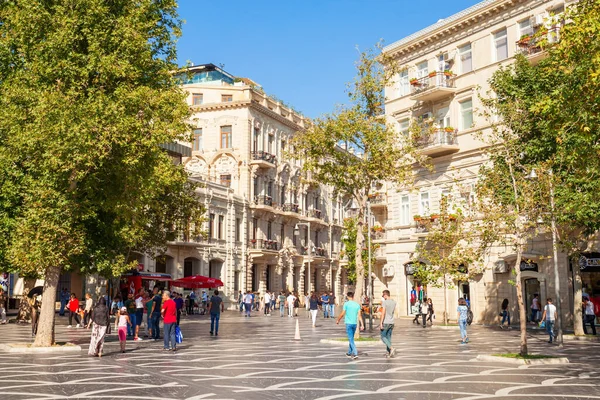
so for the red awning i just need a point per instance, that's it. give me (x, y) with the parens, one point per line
(197, 281)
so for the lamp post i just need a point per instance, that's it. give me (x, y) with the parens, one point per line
(370, 282)
(296, 233)
(559, 336)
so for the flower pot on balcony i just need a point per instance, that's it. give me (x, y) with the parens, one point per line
(452, 217)
(524, 40)
(432, 74)
(449, 129)
(417, 218)
(448, 73)
(433, 217)
(415, 82)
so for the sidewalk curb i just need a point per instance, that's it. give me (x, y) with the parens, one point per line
(345, 343)
(25, 348)
(517, 361)
(587, 338)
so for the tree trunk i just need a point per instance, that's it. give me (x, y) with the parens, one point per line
(45, 333)
(445, 302)
(521, 303)
(360, 268)
(577, 303)
(24, 313)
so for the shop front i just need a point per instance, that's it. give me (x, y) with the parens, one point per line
(589, 266)
(415, 289)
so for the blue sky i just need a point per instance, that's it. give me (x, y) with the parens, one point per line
(302, 51)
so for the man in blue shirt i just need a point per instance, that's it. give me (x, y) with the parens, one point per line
(325, 303)
(352, 314)
(179, 305)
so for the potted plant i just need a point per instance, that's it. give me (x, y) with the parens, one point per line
(432, 74)
(414, 82)
(417, 218)
(433, 217)
(449, 129)
(452, 217)
(524, 39)
(448, 73)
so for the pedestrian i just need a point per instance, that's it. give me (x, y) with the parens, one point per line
(215, 307)
(168, 311)
(505, 314)
(351, 314)
(296, 303)
(2, 307)
(424, 312)
(416, 310)
(307, 302)
(36, 307)
(131, 310)
(267, 308)
(281, 300)
(325, 304)
(331, 305)
(386, 322)
(73, 307)
(589, 316)
(273, 301)
(463, 311)
(64, 299)
(148, 301)
(179, 305)
(122, 322)
(314, 305)
(191, 302)
(548, 318)
(204, 299)
(248, 303)
(535, 309)
(116, 305)
(87, 311)
(155, 314)
(100, 320)
(430, 311)
(139, 313)
(240, 301)
(289, 301)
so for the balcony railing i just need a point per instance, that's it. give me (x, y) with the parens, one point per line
(378, 235)
(261, 155)
(532, 45)
(378, 199)
(291, 207)
(263, 200)
(314, 213)
(433, 86)
(264, 244)
(318, 251)
(438, 142)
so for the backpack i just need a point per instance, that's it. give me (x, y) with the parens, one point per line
(296, 303)
(469, 316)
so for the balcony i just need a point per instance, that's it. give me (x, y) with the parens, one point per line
(314, 213)
(378, 234)
(378, 200)
(534, 47)
(318, 251)
(291, 207)
(263, 159)
(439, 142)
(434, 87)
(263, 244)
(380, 253)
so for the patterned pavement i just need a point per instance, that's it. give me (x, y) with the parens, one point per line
(257, 358)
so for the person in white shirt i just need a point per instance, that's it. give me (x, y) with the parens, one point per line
(290, 304)
(549, 316)
(535, 308)
(139, 313)
(248, 303)
(267, 310)
(589, 315)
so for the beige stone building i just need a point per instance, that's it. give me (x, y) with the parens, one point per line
(447, 66)
(255, 195)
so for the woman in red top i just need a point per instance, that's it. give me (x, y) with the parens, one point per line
(73, 307)
(169, 314)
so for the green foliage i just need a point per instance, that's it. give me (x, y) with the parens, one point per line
(86, 99)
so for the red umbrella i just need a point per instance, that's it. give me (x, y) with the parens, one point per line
(197, 281)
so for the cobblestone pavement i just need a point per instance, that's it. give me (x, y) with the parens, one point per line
(257, 358)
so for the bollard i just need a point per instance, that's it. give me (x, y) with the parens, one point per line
(297, 336)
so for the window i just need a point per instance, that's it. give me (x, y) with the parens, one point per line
(270, 144)
(403, 83)
(422, 70)
(211, 223)
(404, 128)
(254, 227)
(225, 98)
(197, 99)
(424, 203)
(449, 203)
(405, 210)
(225, 180)
(221, 219)
(466, 114)
(500, 45)
(282, 235)
(269, 230)
(197, 139)
(525, 28)
(255, 185)
(238, 229)
(226, 137)
(255, 139)
(465, 56)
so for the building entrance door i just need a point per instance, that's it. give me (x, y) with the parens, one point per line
(531, 287)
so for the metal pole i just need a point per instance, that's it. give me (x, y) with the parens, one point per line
(559, 336)
(370, 281)
(309, 258)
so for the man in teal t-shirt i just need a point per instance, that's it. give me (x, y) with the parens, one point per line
(351, 313)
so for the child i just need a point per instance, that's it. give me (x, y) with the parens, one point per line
(121, 323)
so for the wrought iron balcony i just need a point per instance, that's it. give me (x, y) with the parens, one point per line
(263, 159)
(534, 46)
(263, 244)
(438, 142)
(263, 200)
(291, 207)
(433, 87)
(314, 213)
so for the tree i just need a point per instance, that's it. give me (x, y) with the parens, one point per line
(86, 100)
(349, 240)
(559, 100)
(449, 253)
(378, 153)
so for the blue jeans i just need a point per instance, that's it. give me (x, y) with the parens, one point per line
(350, 331)
(281, 309)
(534, 315)
(463, 328)
(214, 322)
(131, 328)
(170, 336)
(154, 319)
(248, 308)
(139, 316)
(550, 329)
(505, 316)
(332, 311)
(386, 336)
(63, 304)
(325, 310)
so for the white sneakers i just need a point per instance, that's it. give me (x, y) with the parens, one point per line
(78, 326)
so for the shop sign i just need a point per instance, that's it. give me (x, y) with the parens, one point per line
(590, 263)
(4, 281)
(528, 266)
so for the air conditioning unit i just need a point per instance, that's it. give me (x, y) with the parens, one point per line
(388, 271)
(500, 267)
(538, 20)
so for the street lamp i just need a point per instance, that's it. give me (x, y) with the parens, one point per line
(370, 282)
(559, 337)
(297, 233)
